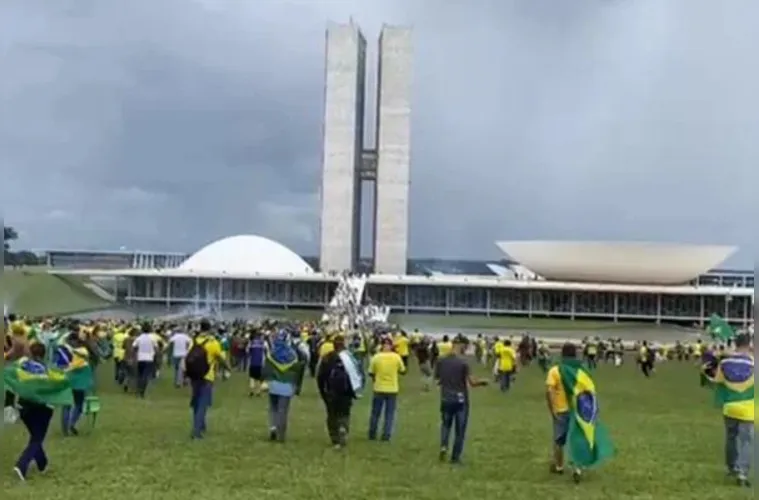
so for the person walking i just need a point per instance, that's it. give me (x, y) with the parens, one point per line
(453, 375)
(36, 400)
(202, 362)
(734, 386)
(385, 369)
(283, 372)
(147, 350)
(338, 391)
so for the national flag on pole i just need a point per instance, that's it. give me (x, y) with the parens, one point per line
(720, 329)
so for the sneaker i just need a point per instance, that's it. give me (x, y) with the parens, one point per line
(273, 434)
(744, 482)
(556, 469)
(20, 474)
(577, 476)
(443, 455)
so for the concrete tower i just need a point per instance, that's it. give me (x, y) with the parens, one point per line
(393, 144)
(344, 94)
(347, 162)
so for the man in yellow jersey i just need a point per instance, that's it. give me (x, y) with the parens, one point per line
(117, 343)
(507, 364)
(558, 406)
(204, 343)
(401, 346)
(734, 385)
(385, 369)
(445, 347)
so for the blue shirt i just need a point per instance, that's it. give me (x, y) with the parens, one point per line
(257, 352)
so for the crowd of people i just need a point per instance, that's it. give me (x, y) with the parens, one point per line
(52, 366)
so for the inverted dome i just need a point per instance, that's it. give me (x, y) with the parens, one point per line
(616, 262)
(246, 254)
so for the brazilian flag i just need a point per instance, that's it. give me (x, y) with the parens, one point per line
(588, 442)
(735, 382)
(34, 381)
(283, 364)
(75, 363)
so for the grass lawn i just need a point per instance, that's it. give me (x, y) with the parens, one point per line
(34, 292)
(669, 440)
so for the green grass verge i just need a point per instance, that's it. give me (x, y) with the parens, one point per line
(34, 292)
(141, 448)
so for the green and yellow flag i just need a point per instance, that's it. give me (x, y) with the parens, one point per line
(34, 381)
(588, 442)
(720, 329)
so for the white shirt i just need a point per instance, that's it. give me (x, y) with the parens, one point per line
(180, 344)
(146, 347)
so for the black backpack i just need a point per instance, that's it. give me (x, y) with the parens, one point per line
(196, 363)
(338, 381)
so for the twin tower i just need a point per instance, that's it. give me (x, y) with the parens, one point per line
(348, 162)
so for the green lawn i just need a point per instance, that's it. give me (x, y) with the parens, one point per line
(669, 441)
(34, 292)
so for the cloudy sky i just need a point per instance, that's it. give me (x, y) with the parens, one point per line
(166, 124)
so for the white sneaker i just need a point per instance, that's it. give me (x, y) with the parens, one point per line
(19, 474)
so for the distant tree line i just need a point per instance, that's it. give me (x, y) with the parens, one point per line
(19, 258)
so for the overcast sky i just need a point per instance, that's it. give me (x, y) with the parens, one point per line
(165, 124)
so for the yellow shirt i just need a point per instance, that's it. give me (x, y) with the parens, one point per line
(118, 345)
(214, 354)
(558, 396)
(506, 359)
(386, 368)
(401, 345)
(592, 349)
(326, 348)
(444, 348)
(159, 342)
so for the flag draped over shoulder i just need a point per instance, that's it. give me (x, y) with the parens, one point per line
(282, 362)
(588, 442)
(720, 329)
(74, 362)
(737, 382)
(354, 371)
(34, 381)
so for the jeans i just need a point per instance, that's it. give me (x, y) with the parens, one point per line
(279, 412)
(739, 444)
(36, 418)
(178, 363)
(120, 371)
(338, 420)
(70, 415)
(380, 402)
(200, 401)
(454, 415)
(144, 375)
(504, 380)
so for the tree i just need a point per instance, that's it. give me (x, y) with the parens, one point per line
(9, 234)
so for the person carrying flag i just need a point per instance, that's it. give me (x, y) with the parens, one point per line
(73, 358)
(573, 404)
(39, 388)
(733, 381)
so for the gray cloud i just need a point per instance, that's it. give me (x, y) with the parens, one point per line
(169, 124)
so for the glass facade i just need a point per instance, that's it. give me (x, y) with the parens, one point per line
(441, 299)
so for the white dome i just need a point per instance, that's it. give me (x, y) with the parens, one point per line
(616, 262)
(246, 254)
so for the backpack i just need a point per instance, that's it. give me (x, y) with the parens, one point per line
(338, 381)
(196, 363)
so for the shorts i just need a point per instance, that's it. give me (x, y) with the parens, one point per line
(255, 373)
(560, 428)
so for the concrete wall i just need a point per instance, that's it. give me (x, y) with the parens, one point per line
(345, 78)
(394, 150)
